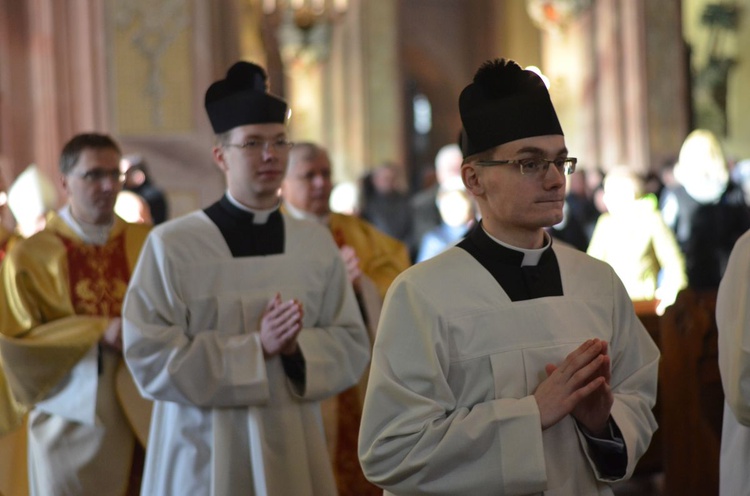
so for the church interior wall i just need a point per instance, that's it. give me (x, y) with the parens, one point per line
(66, 71)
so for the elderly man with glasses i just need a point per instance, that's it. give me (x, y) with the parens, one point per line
(62, 293)
(240, 320)
(507, 364)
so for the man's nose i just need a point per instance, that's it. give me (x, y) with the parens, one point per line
(553, 177)
(269, 150)
(318, 180)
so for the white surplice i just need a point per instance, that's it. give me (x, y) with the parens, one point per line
(226, 420)
(450, 408)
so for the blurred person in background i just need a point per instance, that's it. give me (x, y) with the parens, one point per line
(425, 211)
(373, 260)
(457, 216)
(579, 213)
(31, 196)
(385, 205)
(13, 469)
(138, 180)
(632, 237)
(707, 211)
(29, 199)
(132, 207)
(740, 175)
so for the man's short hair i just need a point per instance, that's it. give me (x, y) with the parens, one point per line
(71, 152)
(305, 150)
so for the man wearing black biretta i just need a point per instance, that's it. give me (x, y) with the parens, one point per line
(507, 364)
(241, 320)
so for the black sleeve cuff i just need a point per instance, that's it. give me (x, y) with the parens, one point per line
(609, 453)
(294, 367)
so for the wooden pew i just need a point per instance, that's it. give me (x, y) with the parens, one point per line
(652, 461)
(690, 395)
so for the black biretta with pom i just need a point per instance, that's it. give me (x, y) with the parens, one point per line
(504, 103)
(242, 98)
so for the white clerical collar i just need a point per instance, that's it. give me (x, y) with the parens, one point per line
(530, 256)
(301, 214)
(259, 216)
(92, 234)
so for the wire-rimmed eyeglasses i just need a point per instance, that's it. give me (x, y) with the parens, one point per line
(258, 145)
(537, 166)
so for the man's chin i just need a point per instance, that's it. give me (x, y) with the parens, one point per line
(553, 221)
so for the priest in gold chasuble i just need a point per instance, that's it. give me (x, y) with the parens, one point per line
(60, 342)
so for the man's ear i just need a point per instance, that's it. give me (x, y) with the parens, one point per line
(470, 177)
(218, 156)
(64, 183)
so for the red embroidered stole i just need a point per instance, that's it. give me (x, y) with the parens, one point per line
(97, 275)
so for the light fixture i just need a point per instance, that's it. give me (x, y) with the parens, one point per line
(307, 13)
(555, 15)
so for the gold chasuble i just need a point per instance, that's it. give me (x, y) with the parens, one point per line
(60, 295)
(10, 411)
(381, 259)
(7, 238)
(13, 474)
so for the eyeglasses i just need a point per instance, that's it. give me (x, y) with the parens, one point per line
(258, 145)
(537, 166)
(98, 175)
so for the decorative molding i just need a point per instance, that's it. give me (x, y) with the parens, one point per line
(155, 26)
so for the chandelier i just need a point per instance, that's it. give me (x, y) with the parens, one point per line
(555, 15)
(307, 13)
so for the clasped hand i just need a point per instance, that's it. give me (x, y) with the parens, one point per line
(280, 325)
(351, 261)
(579, 386)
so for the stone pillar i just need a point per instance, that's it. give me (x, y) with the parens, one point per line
(382, 82)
